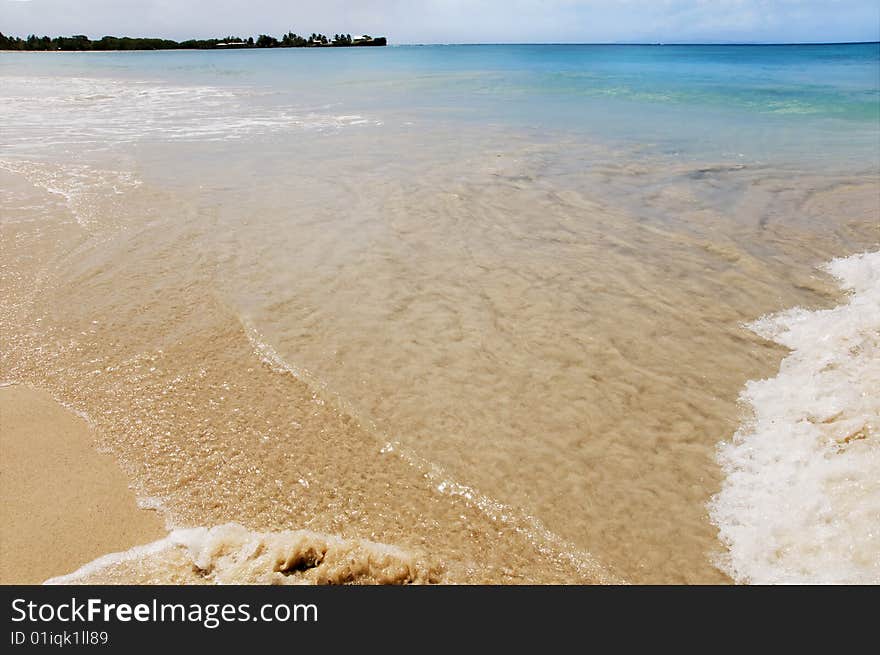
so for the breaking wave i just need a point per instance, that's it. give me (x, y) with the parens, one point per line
(801, 499)
(232, 554)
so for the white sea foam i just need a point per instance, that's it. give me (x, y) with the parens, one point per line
(232, 554)
(100, 113)
(801, 499)
(79, 185)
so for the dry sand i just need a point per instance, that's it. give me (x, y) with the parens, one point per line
(63, 503)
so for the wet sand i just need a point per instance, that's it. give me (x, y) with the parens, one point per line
(64, 503)
(469, 383)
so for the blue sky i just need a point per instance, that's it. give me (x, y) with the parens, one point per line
(459, 21)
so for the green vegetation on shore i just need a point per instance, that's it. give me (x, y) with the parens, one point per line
(81, 42)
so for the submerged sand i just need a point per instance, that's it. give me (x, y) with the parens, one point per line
(64, 503)
(520, 375)
(525, 387)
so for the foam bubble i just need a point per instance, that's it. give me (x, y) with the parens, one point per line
(801, 499)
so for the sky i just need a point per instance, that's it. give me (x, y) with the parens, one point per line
(458, 21)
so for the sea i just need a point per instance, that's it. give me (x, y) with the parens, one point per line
(460, 313)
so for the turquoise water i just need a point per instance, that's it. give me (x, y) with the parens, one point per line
(753, 102)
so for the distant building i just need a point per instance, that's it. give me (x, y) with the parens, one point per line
(368, 40)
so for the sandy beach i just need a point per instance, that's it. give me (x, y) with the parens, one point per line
(508, 314)
(64, 503)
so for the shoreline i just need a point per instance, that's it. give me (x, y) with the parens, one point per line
(64, 503)
(506, 349)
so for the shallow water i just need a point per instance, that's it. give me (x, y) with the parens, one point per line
(486, 307)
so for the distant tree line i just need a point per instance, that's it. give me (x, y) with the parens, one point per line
(80, 42)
